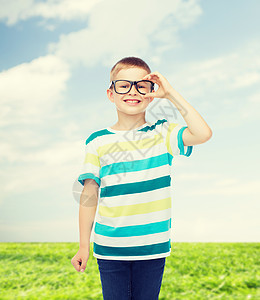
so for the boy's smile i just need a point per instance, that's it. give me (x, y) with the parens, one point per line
(132, 101)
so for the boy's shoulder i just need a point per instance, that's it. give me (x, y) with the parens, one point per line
(159, 122)
(95, 134)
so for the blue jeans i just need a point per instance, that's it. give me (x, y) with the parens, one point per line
(131, 279)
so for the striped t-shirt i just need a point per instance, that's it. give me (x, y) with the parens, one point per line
(133, 171)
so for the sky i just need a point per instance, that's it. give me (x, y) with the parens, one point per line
(55, 61)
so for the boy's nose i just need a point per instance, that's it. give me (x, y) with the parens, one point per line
(133, 90)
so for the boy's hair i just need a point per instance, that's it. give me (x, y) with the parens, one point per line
(126, 63)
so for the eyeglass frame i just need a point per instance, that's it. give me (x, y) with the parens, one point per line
(131, 82)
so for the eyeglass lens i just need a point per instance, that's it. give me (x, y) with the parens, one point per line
(123, 87)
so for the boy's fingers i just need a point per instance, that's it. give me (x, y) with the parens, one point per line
(76, 264)
(149, 95)
(77, 267)
(83, 265)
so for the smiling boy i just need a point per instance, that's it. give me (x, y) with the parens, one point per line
(129, 164)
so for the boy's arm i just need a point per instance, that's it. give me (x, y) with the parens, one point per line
(198, 131)
(87, 211)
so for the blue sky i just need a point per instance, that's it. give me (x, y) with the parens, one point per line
(55, 59)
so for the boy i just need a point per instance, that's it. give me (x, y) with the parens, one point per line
(130, 163)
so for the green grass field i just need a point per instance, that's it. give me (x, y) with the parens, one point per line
(193, 271)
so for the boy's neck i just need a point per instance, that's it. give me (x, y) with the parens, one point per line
(128, 125)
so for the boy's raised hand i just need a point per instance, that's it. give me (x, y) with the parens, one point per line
(79, 261)
(164, 85)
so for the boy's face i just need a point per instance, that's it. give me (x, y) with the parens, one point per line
(133, 74)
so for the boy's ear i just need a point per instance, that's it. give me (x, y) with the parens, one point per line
(110, 95)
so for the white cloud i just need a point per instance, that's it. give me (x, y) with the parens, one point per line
(228, 227)
(116, 29)
(228, 187)
(63, 9)
(14, 11)
(28, 91)
(29, 96)
(226, 85)
(197, 176)
(112, 31)
(38, 168)
(230, 72)
(40, 231)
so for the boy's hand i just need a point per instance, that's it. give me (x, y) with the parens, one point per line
(79, 261)
(164, 86)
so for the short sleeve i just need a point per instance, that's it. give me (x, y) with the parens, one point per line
(91, 164)
(172, 134)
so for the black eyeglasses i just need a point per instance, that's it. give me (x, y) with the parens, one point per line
(124, 86)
